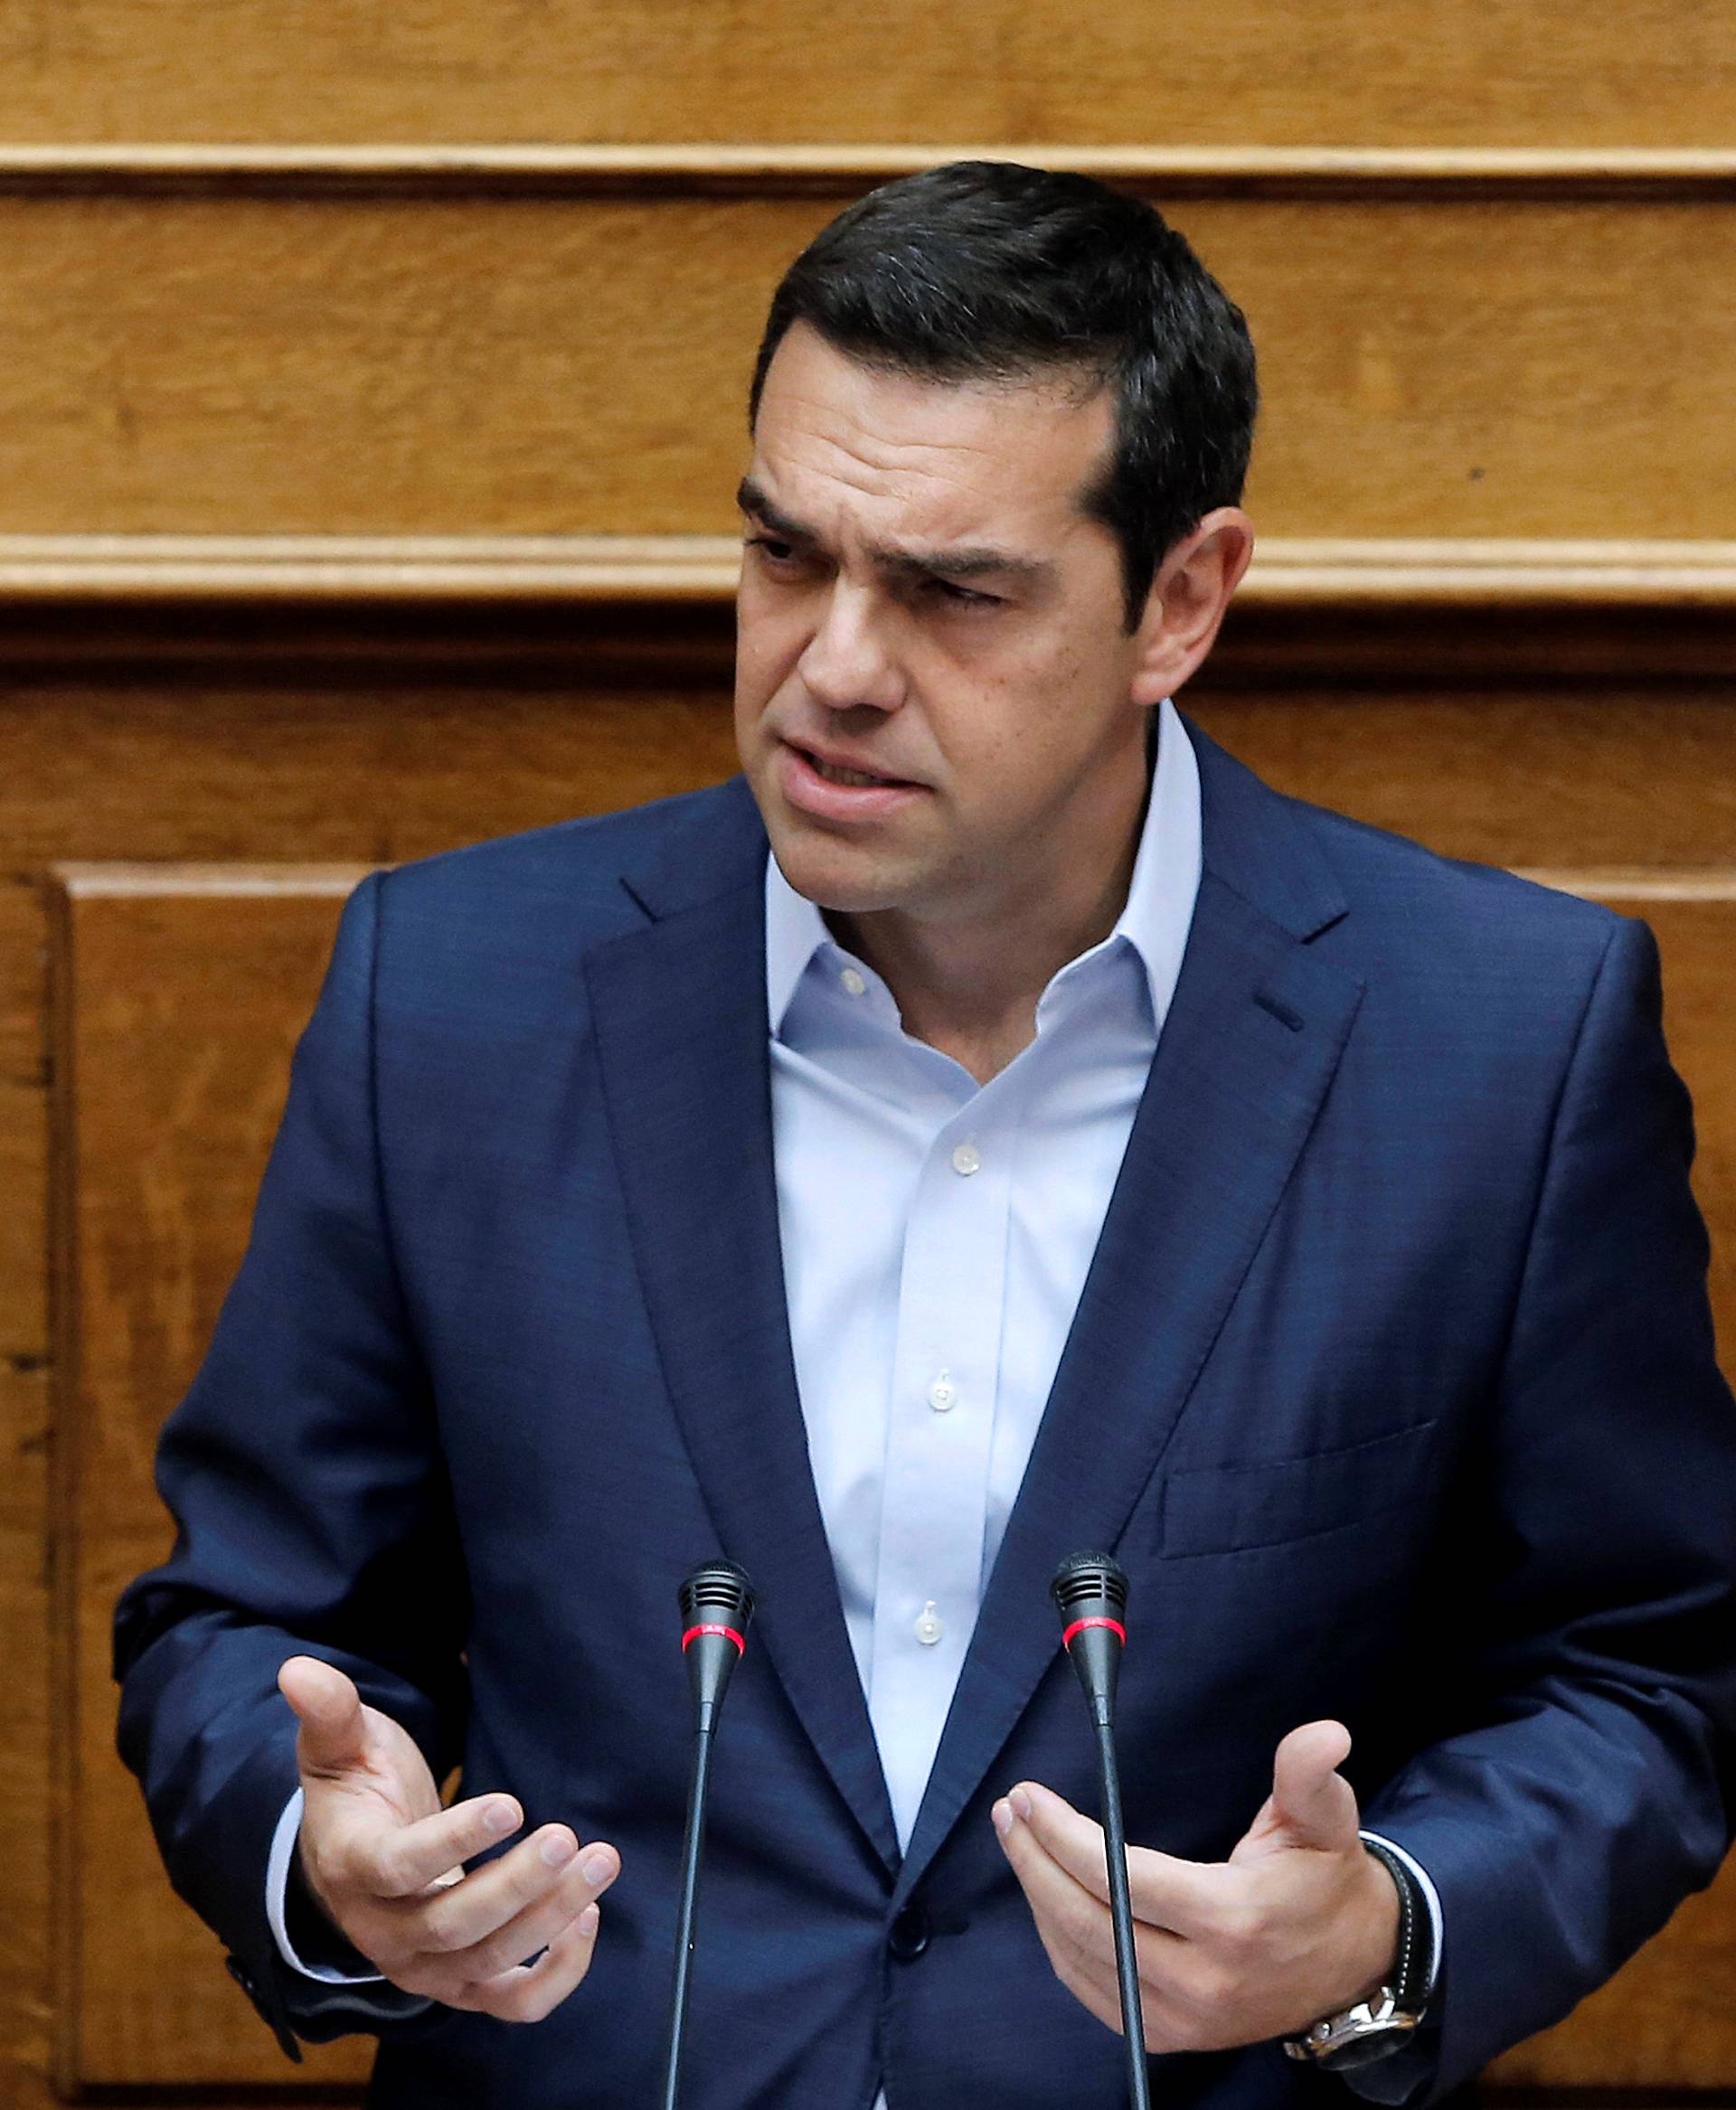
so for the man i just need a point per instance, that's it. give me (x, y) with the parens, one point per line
(1060, 1140)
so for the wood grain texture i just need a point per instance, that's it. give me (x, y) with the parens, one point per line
(1563, 779)
(177, 1009)
(342, 773)
(25, 2004)
(376, 367)
(1639, 71)
(23, 1132)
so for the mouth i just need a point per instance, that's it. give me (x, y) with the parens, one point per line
(836, 773)
(830, 790)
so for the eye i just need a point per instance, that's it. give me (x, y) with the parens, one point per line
(775, 551)
(964, 597)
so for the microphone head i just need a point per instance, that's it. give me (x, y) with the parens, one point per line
(1090, 1593)
(1088, 1584)
(716, 1605)
(719, 1592)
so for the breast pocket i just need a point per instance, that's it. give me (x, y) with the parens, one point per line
(1222, 1509)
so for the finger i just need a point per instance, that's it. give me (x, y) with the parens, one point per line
(1072, 1925)
(401, 1860)
(526, 1933)
(492, 1898)
(328, 1709)
(1311, 1800)
(1077, 1937)
(1173, 1896)
(532, 1991)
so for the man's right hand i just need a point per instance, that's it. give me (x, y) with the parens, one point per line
(386, 1863)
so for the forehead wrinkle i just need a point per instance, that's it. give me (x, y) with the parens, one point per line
(923, 560)
(893, 470)
(924, 549)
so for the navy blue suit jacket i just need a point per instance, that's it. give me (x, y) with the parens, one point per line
(1391, 1385)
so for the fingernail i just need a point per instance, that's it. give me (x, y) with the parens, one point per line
(588, 1920)
(559, 1848)
(1002, 1816)
(1020, 1802)
(501, 1819)
(598, 1868)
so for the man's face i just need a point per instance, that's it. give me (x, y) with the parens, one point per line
(933, 693)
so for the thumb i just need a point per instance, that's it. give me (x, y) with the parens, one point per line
(1312, 1802)
(328, 1708)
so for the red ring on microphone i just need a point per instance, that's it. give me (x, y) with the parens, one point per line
(1078, 1627)
(728, 1632)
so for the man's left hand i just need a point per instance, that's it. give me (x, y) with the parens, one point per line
(1299, 1922)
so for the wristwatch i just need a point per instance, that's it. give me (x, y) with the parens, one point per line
(1375, 2029)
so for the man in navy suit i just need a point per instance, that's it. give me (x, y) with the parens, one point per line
(1060, 1140)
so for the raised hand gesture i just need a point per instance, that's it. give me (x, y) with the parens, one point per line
(1299, 1922)
(386, 1863)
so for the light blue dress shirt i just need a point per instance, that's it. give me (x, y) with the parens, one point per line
(936, 1236)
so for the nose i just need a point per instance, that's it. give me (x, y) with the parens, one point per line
(850, 662)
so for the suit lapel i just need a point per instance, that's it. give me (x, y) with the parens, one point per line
(680, 1012)
(1254, 1037)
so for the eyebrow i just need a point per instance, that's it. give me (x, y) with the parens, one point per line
(965, 562)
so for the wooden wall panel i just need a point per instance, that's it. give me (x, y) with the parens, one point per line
(1638, 72)
(263, 365)
(178, 997)
(1571, 774)
(24, 1582)
(212, 769)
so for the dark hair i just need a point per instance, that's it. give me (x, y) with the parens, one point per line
(989, 269)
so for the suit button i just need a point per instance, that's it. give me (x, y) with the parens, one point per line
(908, 1934)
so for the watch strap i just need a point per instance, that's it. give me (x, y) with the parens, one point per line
(1413, 1970)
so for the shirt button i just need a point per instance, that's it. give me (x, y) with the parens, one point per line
(853, 985)
(967, 1160)
(929, 1628)
(943, 1394)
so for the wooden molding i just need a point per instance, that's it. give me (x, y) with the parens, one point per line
(346, 569)
(699, 571)
(681, 170)
(1639, 884)
(121, 879)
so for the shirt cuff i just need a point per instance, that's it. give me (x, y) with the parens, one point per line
(277, 1892)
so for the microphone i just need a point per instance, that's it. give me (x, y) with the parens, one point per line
(716, 1605)
(1091, 1594)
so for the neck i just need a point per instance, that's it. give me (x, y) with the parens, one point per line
(969, 986)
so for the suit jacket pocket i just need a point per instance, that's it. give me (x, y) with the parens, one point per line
(1219, 1509)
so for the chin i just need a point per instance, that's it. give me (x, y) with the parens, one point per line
(832, 878)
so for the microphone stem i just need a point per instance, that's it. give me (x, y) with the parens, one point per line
(1127, 1963)
(690, 1853)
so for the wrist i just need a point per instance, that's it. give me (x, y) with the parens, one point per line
(1380, 1922)
(312, 1926)
(1385, 2017)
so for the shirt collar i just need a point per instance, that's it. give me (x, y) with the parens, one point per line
(1154, 921)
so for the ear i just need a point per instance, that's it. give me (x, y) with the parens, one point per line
(1187, 602)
